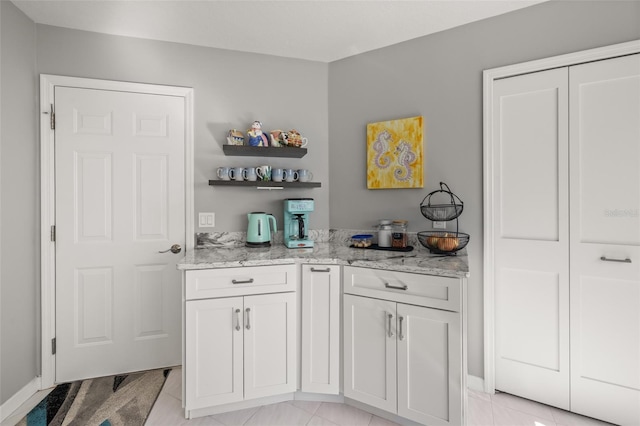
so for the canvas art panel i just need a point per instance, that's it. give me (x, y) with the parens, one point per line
(395, 154)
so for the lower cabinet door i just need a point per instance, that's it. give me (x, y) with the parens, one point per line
(429, 365)
(320, 329)
(270, 344)
(213, 352)
(370, 351)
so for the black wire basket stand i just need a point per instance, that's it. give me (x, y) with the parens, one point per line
(442, 205)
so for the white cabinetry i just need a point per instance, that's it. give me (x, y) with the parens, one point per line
(403, 352)
(564, 190)
(320, 360)
(242, 347)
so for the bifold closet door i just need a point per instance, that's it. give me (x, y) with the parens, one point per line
(605, 239)
(531, 269)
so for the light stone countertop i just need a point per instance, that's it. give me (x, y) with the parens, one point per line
(420, 260)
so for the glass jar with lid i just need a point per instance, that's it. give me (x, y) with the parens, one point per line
(399, 237)
(384, 233)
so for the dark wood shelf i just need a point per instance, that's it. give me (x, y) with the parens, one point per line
(265, 184)
(266, 151)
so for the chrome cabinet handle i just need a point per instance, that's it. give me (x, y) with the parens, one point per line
(238, 320)
(248, 326)
(404, 287)
(401, 335)
(320, 270)
(390, 333)
(174, 249)
(606, 259)
(249, 281)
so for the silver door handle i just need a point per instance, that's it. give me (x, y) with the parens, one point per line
(320, 270)
(404, 287)
(606, 259)
(249, 281)
(237, 319)
(401, 335)
(174, 249)
(248, 326)
(390, 333)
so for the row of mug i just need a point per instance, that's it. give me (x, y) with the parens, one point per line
(263, 173)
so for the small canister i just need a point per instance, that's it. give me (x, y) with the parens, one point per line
(399, 234)
(384, 233)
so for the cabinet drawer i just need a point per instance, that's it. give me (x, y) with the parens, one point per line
(416, 289)
(207, 283)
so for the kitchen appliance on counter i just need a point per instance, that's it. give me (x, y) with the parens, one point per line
(259, 229)
(296, 222)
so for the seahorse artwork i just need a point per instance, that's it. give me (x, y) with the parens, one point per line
(395, 154)
(404, 158)
(381, 147)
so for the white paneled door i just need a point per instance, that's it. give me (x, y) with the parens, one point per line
(119, 170)
(605, 239)
(530, 230)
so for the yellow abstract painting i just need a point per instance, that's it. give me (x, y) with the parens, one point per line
(395, 154)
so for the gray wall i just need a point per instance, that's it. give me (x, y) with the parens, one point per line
(231, 90)
(19, 195)
(440, 78)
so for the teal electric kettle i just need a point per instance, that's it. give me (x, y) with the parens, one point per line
(259, 229)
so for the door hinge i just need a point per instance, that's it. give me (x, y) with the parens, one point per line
(53, 346)
(53, 118)
(53, 233)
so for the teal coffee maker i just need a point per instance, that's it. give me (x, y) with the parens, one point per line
(296, 222)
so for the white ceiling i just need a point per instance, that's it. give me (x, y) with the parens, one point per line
(317, 30)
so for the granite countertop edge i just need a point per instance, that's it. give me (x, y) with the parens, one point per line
(417, 261)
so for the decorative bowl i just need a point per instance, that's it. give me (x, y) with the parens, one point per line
(443, 242)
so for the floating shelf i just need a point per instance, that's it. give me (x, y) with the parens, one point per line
(266, 151)
(265, 184)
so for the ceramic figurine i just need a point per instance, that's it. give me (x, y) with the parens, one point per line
(255, 135)
(235, 137)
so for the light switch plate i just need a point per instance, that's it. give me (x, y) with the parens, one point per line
(439, 224)
(206, 220)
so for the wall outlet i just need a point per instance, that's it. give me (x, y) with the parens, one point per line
(206, 220)
(439, 224)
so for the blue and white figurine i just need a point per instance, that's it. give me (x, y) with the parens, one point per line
(255, 135)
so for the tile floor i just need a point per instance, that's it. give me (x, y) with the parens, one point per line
(484, 410)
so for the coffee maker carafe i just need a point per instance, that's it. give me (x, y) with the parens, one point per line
(296, 222)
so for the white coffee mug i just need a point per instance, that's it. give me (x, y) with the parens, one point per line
(290, 175)
(236, 173)
(223, 173)
(277, 175)
(250, 174)
(304, 175)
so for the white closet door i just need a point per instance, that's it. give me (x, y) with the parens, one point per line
(605, 232)
(531, 236)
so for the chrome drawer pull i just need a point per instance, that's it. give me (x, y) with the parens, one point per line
(248, 326)
(249, 281)
(401, 335)
(238, 319)
(320, 270)
(404, 287)
(606, 259)
(389, 327)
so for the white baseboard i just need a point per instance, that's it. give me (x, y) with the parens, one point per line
(475, 383)
(19, 398)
